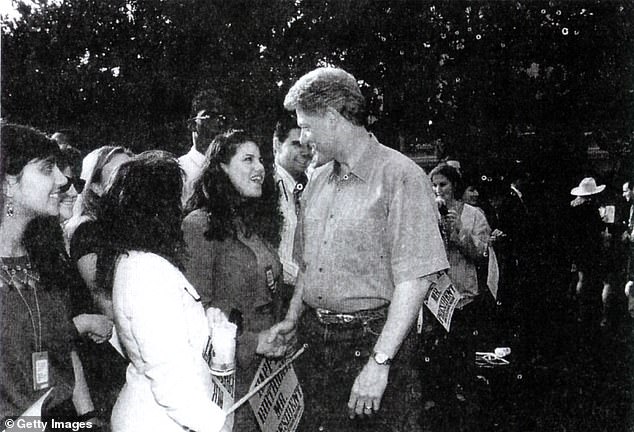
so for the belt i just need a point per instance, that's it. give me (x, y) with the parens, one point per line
(328, 317)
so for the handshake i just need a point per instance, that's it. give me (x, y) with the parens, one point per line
(278, 341)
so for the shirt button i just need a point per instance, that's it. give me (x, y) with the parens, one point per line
(320, 297)
(321, 269)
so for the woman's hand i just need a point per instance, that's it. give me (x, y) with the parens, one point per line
(495, 236)
(96, 327)
(452, 221)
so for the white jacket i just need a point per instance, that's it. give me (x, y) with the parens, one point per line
(163, 329)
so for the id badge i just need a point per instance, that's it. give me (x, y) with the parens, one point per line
(41, 378)
(270, 280)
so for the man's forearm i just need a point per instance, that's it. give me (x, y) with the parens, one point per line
(296, 305)
(403, 311)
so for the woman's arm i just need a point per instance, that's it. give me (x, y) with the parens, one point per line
(87, 266)
(472, 235)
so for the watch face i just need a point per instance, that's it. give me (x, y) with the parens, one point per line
(381, 358)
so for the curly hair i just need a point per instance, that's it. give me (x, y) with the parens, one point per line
(141, 210)
(328, 87)
(215, 193)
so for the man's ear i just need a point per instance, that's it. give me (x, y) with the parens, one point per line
(276, 144)
(332, 115)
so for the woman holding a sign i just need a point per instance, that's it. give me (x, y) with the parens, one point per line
(230, 235)
(466, 233)
(158, 315)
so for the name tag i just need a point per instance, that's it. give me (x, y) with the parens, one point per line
(41, 378)
(270, 280)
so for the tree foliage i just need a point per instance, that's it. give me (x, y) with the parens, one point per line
(492, 80)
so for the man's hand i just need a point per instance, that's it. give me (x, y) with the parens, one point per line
(278, 340)
(367, 390)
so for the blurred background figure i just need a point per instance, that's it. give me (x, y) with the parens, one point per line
(103, 365)
(587, 247)
(208, 120)
(466, 234)
(292, 158)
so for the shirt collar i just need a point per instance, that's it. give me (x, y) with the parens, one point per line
(197, 157)
(364, 165)
(283, 175)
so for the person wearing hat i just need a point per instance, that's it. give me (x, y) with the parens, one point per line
(586, 247)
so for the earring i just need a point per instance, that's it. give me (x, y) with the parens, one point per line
(10, 210)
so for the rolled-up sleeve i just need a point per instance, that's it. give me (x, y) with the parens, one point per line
(417, 247)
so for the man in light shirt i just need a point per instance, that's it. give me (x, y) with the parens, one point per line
(207, 122)
(292, 157)
(368, 247)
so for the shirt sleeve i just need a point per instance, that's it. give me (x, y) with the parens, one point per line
(417, 247)
(472, 240)
(158, 314)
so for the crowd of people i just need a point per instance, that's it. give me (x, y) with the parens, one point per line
(109, 263)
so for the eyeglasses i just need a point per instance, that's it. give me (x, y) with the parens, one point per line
(73, 181)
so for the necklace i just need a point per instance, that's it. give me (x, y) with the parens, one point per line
(19, 276)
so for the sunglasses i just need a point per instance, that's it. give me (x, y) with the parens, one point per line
(73, 181)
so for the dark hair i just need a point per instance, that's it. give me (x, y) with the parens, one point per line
(141, 210)
(215, 193)
(328, 87)
(22, 144)
(453, 176)
(44, 243)
(283, 127)
(70, 157)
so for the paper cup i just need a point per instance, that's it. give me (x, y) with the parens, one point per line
(223, 353)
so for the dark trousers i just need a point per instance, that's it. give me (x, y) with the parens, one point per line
(327, 370)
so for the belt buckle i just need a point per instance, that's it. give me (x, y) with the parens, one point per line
(346, 318)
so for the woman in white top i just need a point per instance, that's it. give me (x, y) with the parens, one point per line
(158, 315)
(450, 356)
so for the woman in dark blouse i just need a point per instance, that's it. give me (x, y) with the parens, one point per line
(231, 236)
(37, 332)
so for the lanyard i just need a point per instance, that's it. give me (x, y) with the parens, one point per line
(37, 329)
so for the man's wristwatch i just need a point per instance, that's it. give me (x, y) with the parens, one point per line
(381, 358)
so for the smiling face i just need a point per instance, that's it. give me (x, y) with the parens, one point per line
(245, 170)
(443, 187)
(471, 195)
(293, 155)
(36, 191)
(67, 198)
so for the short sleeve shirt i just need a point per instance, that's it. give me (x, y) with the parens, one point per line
(363, 233)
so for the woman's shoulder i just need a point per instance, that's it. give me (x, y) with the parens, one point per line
(139, 267)
(197, 218)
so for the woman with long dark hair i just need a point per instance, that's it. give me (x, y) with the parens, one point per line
(231, 237)
(158, 315)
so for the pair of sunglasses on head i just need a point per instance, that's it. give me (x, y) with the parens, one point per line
(73, 181)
